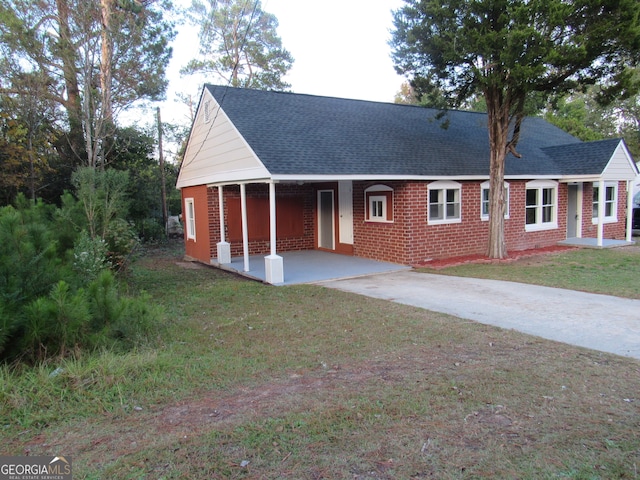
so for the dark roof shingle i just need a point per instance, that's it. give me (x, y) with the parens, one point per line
(295, 134)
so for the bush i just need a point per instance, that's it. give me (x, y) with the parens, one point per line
(44, 311)
(121, 240)
(89, 256)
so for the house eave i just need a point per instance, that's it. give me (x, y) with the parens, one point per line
(237, 178)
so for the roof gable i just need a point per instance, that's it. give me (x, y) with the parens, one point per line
(216, 152)
(607, 158)
(304, 135)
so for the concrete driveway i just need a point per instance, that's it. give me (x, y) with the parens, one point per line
(600, 322)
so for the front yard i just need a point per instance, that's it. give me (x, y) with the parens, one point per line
(303, 382)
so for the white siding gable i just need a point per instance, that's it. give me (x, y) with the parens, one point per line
(216, 152)
(620, 166)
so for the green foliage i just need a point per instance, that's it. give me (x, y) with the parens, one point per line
(29, 263)
(139, 34)
(510, 52)
(55, 323)
(239, 44)
(89, 256)
(507, 50)
(103, 196)
(44, 312)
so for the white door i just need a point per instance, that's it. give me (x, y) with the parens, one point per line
(574, 211)
(345, 211)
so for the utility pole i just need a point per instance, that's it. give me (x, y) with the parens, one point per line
(163, 189)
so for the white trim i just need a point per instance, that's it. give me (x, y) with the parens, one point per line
(369, 199)
(258, 176)
(382, 201)
(238, 175)
(443, 187)
(629, 231)
(611, 218)
(484, 186)
(430, 178)
(207, 111)
(539, 186)
(190, 218)
(245, 226)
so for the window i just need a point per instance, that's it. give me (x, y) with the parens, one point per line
(191, 218)
(610, 202)
(484, 200)
(444, 202)
(541, 205)
(379, 204)
(377, 207)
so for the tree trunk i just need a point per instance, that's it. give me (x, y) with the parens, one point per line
(106, 59)
(73, 101)
(498, 119)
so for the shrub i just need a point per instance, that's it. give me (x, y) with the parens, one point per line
(89, 256)
(56, 324)
(121, 240)
(44, 312)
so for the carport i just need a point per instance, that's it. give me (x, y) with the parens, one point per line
(311, 266)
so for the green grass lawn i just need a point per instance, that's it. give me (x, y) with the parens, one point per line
(250, 381)
(610, 271)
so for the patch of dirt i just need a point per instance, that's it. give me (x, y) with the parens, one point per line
(125, 432)
(190, 265)
(136, 428)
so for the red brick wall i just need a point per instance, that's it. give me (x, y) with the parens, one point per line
(410, 240)
(199, 248)
(259, 247)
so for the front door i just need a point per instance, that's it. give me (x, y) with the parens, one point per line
(574, 211)
(335, 217)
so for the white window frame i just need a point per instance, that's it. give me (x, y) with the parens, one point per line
(613, 218)
(377, 208)
(371, 198)
(484, 187)
(540, 186)
(443, 187)
(190, 218)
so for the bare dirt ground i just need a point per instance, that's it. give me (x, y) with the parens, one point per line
(116, 435)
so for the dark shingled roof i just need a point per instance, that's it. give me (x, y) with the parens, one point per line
(295, 134)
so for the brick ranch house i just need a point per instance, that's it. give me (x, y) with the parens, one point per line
(268, 172)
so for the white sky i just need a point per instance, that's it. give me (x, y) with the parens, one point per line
(340, 48)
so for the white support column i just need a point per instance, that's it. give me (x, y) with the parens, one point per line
(273, 263)
(245, 230)
(223, 247)
(629, 210)
(601, 197)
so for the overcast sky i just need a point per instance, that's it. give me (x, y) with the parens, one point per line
(340, 49)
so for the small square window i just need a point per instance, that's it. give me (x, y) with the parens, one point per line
(379, 203)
